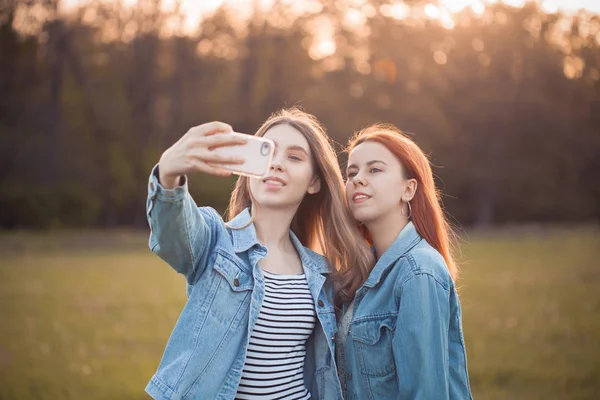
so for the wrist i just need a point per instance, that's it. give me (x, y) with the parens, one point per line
(166, 180)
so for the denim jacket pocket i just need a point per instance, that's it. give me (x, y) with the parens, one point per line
(235, 275)
(372, 340)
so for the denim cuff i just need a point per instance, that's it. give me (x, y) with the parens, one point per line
(157, 191)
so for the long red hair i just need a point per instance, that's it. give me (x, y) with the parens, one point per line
(427, 214)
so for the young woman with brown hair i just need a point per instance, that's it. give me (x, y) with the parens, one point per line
(259, 322)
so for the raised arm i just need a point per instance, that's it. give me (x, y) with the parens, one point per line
(181, 233)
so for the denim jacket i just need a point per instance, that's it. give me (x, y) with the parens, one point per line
(205, 354)
(406, 340)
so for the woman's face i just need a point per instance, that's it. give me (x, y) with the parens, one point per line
(291, 176)
(376, 183)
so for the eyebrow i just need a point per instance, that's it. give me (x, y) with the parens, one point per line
(296, 147)
(368, 164)
(293, 147)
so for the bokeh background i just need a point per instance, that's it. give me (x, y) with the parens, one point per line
(503, 95)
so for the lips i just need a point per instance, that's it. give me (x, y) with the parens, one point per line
(274, 180)
(359, 197)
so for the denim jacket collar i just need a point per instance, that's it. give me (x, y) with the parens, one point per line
(406, 240)
(244, 238)
(243, 234)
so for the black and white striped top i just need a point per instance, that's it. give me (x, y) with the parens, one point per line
(274, 367)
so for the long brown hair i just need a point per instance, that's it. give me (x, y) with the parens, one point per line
(427, 214)
(322, 222)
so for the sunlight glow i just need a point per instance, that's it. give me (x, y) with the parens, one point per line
(447, 21)
(323, 48)
(573, 67)
(448, 13)
(195, 7)
(397, 10)
(192, 11)
(455, 6)
(550, 6)
(432, 11)
(478, 7)
(514, 3)
(354, 18)
(440, 57)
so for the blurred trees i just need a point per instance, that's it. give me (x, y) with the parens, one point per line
(507, 103)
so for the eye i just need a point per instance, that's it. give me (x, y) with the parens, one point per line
(294, 158)
(351, 174)
(374, 170)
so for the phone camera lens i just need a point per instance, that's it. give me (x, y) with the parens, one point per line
(264, 150)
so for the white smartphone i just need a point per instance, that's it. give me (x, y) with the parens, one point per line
(257, 152)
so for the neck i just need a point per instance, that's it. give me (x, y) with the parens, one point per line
(273, 228)
(385, 230)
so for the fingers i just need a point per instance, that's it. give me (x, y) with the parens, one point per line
(211, 128)
(198, 146)
(211, 169)
(216, 158)
(222, 139)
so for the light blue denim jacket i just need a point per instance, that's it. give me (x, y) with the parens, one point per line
(406, 340)
(205, 354)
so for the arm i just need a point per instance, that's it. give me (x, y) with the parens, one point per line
(181, 233)
(420, 342)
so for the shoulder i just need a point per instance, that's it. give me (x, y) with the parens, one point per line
(318, 259)
(307, 255)
(211, 214)
(423, 262)
(316, 262)
(211, 217)
(214, 221)
(314, 256)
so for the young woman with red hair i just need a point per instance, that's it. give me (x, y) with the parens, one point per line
(400, 331)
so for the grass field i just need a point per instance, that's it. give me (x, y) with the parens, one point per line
(82, 317)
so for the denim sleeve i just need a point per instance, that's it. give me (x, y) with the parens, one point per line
(180, 233)
(420, 341)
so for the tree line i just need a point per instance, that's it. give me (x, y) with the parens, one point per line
(507, 104)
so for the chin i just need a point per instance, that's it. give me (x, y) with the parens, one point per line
(363, 215)
(273, 202)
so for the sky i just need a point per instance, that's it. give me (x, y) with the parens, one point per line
(443, 10)
(194, 9)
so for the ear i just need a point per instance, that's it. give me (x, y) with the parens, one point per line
(409, 190)
(315, 185)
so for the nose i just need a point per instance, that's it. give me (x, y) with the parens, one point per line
(276, 162)
(276, 166)
(358, 180)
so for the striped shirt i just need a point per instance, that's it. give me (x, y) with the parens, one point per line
(274, 367)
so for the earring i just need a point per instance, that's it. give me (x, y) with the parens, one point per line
(409, 210)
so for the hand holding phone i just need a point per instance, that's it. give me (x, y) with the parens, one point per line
(195, 152)
(257, 153)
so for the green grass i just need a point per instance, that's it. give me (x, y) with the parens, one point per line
(78, 321)
(531, 314)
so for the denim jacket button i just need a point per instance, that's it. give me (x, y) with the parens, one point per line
(236, 282)
(321, 304)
